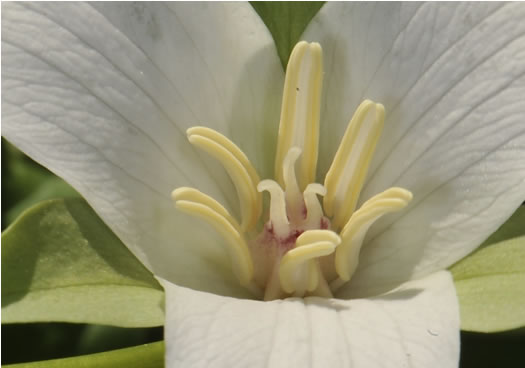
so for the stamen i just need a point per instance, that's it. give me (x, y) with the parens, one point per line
(294, 198)
(294, 254)
(234, 150)
(298, 270)
(228, 154)
(237, 248)
(194, 195)
(314, 211)
(299, 125)
(278, 216)
(347, 173)
(352, 235)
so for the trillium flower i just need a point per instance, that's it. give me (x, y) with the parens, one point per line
(107, 95)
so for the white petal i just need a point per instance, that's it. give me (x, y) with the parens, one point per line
(415, 326)
(102, 95)
(452, 79)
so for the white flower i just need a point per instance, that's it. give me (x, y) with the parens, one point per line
(102, 94)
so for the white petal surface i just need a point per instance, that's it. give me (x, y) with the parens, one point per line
(102, 95)
(452, 80)
(415, 326)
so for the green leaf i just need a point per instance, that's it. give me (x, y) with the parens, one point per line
(60, 262)
(490, 284)
(286, 22)
(143, 356)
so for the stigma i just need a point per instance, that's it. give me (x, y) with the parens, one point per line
(302, 245)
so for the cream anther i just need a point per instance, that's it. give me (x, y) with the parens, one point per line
(300, 109)
(234, 150)
(353, 233)
(194, 195)
(347, 173)
(299, 272)
(228, 155)
(237, 248)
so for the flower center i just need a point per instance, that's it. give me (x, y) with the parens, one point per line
(302, 248)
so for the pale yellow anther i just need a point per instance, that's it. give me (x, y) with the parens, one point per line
(353, 233)
(249, 198)
(236, 244)
(298, 271)
(390, 193)
(234, 150)
(299, 125)
(318, 235)
(194, 195)
(347, 173)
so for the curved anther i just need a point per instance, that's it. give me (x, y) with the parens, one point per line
(237, 248)
(347, 173)
(312, 236)
(352, 235)
(299, 125)
(229, 145)
(194, 195)
(246, 189)
(299, 272)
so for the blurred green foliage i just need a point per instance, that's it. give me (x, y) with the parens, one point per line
(43, 341)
